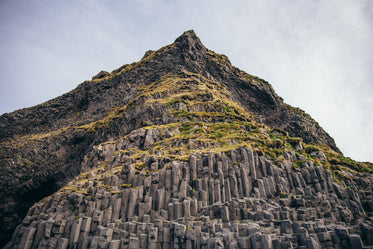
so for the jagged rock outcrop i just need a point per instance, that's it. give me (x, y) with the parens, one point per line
(117, 88)
(235, 199)
(179, 149)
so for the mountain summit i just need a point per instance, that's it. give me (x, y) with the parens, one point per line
(178, 150)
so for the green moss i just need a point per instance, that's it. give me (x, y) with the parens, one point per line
(276, 143)
(219, 58)
(311, 148)
(298, 164)
(288, 146)
(271, 154)
(186, 127)
(228, 108)
(216, 134)
(294, 140)
(280, 131)
(181, 113)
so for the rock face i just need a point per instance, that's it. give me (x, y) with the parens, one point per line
(178, 150)
(235, 199)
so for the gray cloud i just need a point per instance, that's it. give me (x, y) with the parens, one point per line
(318, 55)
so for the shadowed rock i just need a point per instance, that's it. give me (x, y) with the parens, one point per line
(172, 151)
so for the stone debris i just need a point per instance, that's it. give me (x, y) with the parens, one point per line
(215, 200)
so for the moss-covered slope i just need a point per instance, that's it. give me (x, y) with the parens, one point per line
(191, 99)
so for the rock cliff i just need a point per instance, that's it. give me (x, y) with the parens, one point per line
(178, 150)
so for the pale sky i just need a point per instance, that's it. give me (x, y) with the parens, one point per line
(317, 54)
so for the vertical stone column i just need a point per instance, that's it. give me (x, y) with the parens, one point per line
(186, 171)
(198, 184)
(153, 238)
(225, 214)
(90, 208)
(295, 179)
(260, 185)
(134, 243)
(199, 167)
(211, 191)
(62, 243)
(132, 203)
(159, 199)
(269, 168)
(148, 204)
(217, 194)
(193, 167)
(114, 244)
(124, 206)
(116, 209)
(269, 186)
(251, 161)
(183, 189)
(86, 226)
(222, 192)
(244, 156)
(141, 210)
(175, 177)
(227, 190)
(232, 210)
(106, 200)
(186, 208)
(219, 166)
(233, 156)
(97, 220)
(131, 179)
(193, 208)
(108, 213)
(211, 163)
(168, 180)
(171, 211)
(224, 161)
(220, 173)
(178, 210)
(204, 198)
(153, 193)
(246, 183)
(27, 238)
(162, 176)
(233, 183)
(75, 231)
(262, 167)
(205, 184)
(165, 237)
(167, 197)
(301, 180)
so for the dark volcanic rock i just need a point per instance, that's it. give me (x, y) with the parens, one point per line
(193, 205)
(187, 53)
(175, 149)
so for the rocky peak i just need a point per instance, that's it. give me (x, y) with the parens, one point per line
(189, 42)
(187, 53)
(180, 125)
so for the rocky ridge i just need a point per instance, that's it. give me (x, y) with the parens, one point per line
(179, 150)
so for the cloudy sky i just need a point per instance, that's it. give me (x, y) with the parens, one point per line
(317, 54)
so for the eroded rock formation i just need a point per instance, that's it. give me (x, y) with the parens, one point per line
(236, 199)
(178, 150)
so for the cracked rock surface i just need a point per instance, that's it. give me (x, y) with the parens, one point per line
(178, 150)
(235, 199)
